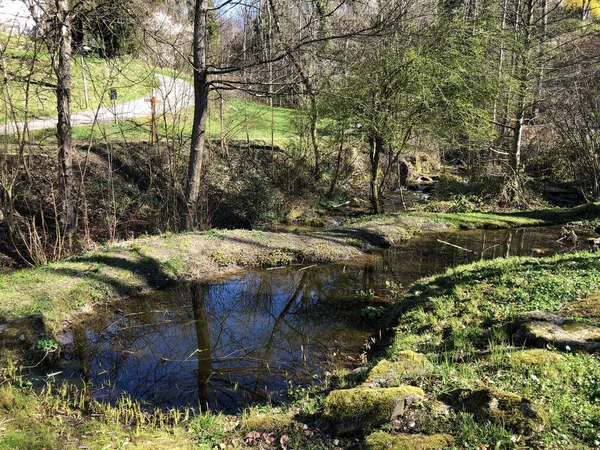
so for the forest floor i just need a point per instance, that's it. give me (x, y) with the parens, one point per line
(462, 321)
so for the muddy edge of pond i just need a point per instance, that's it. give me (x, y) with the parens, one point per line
(60, 293)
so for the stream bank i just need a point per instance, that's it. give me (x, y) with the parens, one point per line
(300, 422)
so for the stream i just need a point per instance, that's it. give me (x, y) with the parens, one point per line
(226, 344)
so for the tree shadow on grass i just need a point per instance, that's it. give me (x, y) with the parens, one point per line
(145, 267)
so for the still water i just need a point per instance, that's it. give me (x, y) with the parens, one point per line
(223, 345)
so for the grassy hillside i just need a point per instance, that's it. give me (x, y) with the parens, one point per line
(30, 87)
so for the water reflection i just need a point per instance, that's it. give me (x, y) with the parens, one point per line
(225, 344)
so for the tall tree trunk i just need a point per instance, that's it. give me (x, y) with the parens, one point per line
(374, 157)
(522, 62)
(192, 191)
(62, 67)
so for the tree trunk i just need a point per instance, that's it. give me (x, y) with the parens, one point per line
(62, 67)
(192, 191)
(374, 157)
(522, 62)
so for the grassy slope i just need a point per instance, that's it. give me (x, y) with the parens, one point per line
(258, 118)
(131, 77)
(459, 319)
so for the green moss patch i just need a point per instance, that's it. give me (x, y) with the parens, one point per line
(563, 333)
(536, 357)
(268, 422)
(405, 364)
(352, 410)
(384, 441)
(508, 409)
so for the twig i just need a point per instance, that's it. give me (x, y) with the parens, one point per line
(341, 204)
(457, 246)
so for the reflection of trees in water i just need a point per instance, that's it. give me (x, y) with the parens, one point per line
(215, 344)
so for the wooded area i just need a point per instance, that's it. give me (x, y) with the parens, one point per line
(495, 98)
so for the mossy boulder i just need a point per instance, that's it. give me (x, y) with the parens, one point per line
(267, 423)
(536, 357)
(539, 329)
(511, 410)
(352, 410)
(587, 307)
(404, 364)
(384, 441)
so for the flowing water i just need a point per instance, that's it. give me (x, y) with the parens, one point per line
(225, 344)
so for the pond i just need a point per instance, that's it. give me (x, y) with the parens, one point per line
(226, 344)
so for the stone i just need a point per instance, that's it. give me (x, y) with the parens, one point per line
(384, 441)
(587, 307)
(536, 357)
(511, 410)
(267, 423)
(404, 364)
(538, 329)
(352, 410)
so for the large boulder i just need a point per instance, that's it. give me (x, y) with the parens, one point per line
(505, 408)
(352, 410)
(404, 364)
(538, 329)
(384, 441)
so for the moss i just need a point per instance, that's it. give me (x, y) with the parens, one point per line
(404, 364)
(588, 307)
(536, 357)
(505, 408)
(314, 222)
(351, 410)
(384, 441)
(567, 334)
(221, 258)
(277, 257)
(267, 423)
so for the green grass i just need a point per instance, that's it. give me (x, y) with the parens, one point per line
(180, 128)
(460, 319)
(131, 77)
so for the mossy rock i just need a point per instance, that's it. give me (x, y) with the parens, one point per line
(504, 408)
(539, 329)
(404, 364)
(267, 423)
(352, 410)
(588, 307)
(536, 357)
(384, 441)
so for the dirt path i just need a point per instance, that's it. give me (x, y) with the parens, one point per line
(173, 94)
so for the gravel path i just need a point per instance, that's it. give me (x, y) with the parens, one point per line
(173, 95)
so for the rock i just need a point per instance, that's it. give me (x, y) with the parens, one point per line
(352, 410)
(384, 441)
(536, 357)
(267, 423)
(504, 408)
(357, 375)
(404, 364)
(539, 329)
(588, 307)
